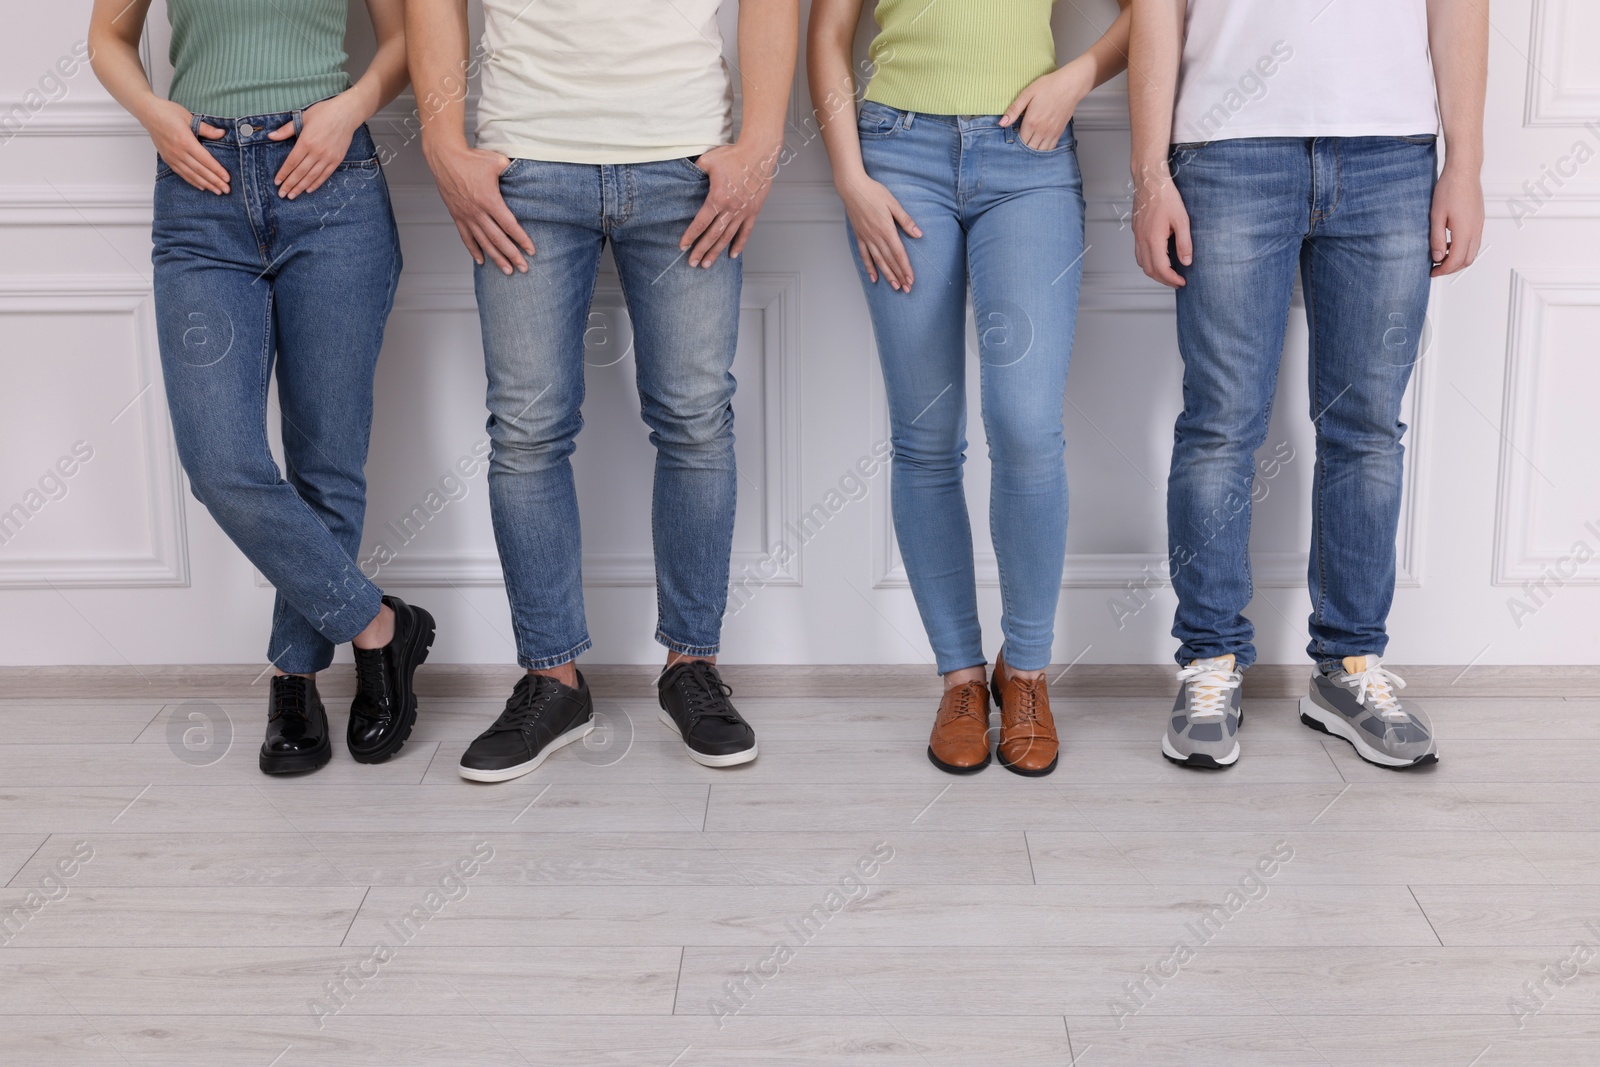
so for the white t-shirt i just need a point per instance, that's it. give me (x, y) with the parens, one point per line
(1305, 68)
(603, 81)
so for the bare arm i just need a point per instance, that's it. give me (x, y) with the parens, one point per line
(741, 173)
(1159, 217)
(114, 29)
(468, 178)
(328, 125)
(1458, 37)
(875, 215)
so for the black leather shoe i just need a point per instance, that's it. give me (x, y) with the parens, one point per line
(541, 716)
(385, 707)
(297, 727)
(694, 702)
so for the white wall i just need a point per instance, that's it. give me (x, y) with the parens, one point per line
(126, 567)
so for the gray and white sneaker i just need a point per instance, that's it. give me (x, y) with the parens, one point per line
(1361, 705)
(1204, 728)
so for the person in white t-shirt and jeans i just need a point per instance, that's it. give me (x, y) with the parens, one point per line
(606, 121)
(1273, 138)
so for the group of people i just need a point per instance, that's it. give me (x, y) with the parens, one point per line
(1270, 138)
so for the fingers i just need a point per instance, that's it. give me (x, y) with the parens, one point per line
(1439, 236)
(867, 261)
(503, 220)
(210, 132)
(301, 159)
(494, 244)
(474, 249)
(282, 133)
(1183, 241)
(697, 226)
(903, 218)
(745, 229)
(1018, 106)
(196, 166)
(1155, 258)
(713, 241)
(308, 178)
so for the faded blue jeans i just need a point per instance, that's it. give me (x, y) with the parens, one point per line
(1350, 216)
(1008, 221)
(249, 283)
(685, 329)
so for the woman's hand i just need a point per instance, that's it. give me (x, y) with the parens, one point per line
(325, 131)
(877, 218)
(169, 128)
(1047, 104)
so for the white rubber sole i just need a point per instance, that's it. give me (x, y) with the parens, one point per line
(1221, 761)
(577, 733)
(1337, 725)
(733, 759)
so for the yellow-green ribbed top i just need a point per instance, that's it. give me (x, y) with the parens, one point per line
(959, 57)
(234, 58)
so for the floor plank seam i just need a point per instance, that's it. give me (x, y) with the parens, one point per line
(1425, 916)
(356, 915)
(29, 860)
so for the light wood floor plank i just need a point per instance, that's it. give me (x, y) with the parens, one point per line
(87, 916)
(417, 980)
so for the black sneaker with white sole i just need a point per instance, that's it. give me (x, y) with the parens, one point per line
(541, 716)
(694, 703)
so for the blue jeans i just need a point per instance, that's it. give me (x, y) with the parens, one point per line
(1008, 220)
(1351, 216)
(685, 328)
(247, 283)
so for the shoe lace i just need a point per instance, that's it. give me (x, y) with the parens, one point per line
(970, 701)
(290, 698)
(371, 677)
(1375, 689)
(705, 694)
(526, 705)
(1026, 705)
(1209, 681)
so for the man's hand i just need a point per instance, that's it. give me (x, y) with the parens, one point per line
(1160, 219)
(1457, 221)
(741, 176)
(469, 184)
(326, 129)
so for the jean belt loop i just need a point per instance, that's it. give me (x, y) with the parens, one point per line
(911, 116)
(299, 121)
(194, 125)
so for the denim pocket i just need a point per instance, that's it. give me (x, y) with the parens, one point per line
(362, 153)
(162, 170)
(693, 168)
(1428, 138)
(877, 121)
(1066, 144)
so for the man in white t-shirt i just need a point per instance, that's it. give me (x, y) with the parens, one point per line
(1275, 138)
(606, 121)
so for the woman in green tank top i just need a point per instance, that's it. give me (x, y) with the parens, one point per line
(276, 254)
(960, 173)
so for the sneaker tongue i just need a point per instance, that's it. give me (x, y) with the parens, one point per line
(1222, 662)
(1355, 664)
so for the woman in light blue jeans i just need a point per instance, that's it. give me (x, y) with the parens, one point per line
(964, 146)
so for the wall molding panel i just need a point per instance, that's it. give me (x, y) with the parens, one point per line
(1550, 101)
(127, 298)
(1537, 295)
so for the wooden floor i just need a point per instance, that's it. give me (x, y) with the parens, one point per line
(622, 905)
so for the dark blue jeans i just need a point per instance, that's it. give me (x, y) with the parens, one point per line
(1350, 215)
(247, 283)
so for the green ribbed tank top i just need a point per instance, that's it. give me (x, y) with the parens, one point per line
(959, 57)
(234, 58)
